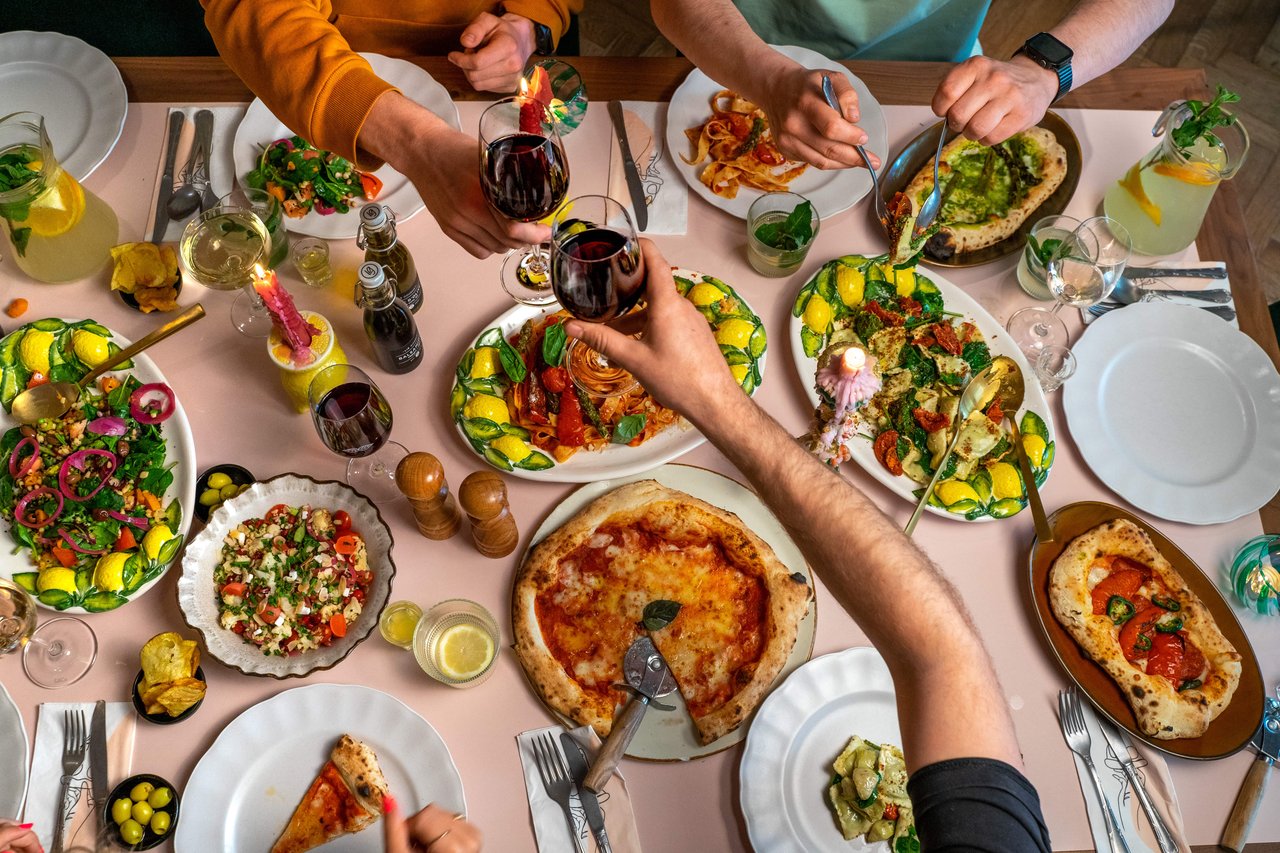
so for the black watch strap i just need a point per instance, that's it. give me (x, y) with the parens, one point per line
(544, 44)
(1047, 52)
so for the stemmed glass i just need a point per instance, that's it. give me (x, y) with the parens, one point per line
(525, 177)
(597, 272)
(353, 419)
(56, 654)
(1082, 271)
(219, 249)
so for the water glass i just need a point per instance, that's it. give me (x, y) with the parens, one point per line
(1255, 574)
(311, 257)
(773, 209)
(1087, 264)
(440, 634)
(1054, 365)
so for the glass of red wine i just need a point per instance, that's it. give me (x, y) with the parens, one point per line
(597, 273)
(525, 177)
(353, 419)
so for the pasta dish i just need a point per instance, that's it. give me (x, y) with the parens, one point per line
(740, 147)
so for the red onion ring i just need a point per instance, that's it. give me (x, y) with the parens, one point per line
(147, 414)
(14, 469)
(107, 425)
(19, 509)
(76, 462)
(77, 547)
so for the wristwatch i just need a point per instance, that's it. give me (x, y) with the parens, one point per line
(544, 44)
(1047, 52)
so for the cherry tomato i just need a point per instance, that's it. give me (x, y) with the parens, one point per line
(347, 544)
(234, 588)
(238, 628)
(269, 613)
(276, 512)
(768, 155)
(125, 541)
(342, 519)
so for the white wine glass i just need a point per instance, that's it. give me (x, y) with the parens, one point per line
(220, 249)
(55, 654)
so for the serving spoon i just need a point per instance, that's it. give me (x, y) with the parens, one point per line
(1012, 390)
(53, 399)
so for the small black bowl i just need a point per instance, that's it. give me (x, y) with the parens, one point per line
(149, 838)
(238, 474)
(163, 719)
(132, 302)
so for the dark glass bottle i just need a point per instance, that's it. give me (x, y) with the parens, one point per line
(388, 322)
(378, 239)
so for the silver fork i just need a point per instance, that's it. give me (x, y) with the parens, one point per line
(1071, 718)
(556, 779)
(74, 743)
(929, 210)
(1226, 312)
(882, 212)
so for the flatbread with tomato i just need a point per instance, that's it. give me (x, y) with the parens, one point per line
(345, 797)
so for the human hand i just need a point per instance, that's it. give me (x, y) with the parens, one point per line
(989, 100)
(18, 838)
(804, 125)
(433, 829)
(496, 50)
(676, 357)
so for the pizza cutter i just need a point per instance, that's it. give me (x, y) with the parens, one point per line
(1248, 801)
(648, 677)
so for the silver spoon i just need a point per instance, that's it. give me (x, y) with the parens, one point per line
(882, 212)
(929, 210)
(1129, 292)
(185, 199)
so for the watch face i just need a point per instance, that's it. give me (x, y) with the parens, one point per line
(1049, 49)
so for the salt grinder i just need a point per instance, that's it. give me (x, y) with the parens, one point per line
(420, 476)
(483, 496)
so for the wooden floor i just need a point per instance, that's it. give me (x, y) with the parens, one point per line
(1236, 41)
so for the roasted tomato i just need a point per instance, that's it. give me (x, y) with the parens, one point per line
(1166, 657)
(886, 451)
(768, 155)
(1193, 662)
(947, 339)
(1136, 637)
(930, 421)
(1125, 583)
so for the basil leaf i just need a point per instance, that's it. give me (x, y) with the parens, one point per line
(628, 428)
(512, 363)
(553, 344)
(659, 614)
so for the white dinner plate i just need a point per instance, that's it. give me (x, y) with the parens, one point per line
(998, 343)
(259, 128)
(77, 89)
(1177, 412)
(670, 735)
(831, 191)
(245, 788)
(798, 732)
(14, 751)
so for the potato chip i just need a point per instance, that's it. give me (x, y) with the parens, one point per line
(163, 658)
(181, 695)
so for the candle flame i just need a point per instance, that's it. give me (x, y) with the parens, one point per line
(853, 360)
(524, 88)
(259, 272)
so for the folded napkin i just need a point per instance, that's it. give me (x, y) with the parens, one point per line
(46, 771)
(221, 165)
(1156, 285)
(667, 194)
(549, 824)
(1151, 768)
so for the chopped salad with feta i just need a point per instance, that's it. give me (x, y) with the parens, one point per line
(293, 580)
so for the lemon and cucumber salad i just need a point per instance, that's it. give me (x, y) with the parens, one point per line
(925, 356)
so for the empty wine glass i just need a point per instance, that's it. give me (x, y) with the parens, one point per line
(57, 653)
(353, 419)
(1054, 366)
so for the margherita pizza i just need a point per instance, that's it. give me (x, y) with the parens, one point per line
(581, 594)
(345, 797)
(1131, 612)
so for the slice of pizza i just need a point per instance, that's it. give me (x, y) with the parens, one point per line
(345, 797)
(1130, 611)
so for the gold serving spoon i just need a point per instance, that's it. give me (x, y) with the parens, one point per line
(53, 399)
(1012, 391)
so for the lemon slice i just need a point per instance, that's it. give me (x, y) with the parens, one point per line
(58, 210)
(464, 651)
(1191, 173)
(1132, 182)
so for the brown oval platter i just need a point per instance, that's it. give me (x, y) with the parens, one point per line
(919, 152)
(1238, 721)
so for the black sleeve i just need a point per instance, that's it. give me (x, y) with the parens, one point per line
(976, 804)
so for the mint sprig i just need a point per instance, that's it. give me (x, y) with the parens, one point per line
(790, 234)
(1204, 118)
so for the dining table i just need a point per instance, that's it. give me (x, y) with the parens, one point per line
(238, 413)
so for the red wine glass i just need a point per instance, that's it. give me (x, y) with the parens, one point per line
(353, 419)
(597, 273)
(525, 177)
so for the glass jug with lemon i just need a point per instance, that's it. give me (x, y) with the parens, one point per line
(57, 230)
(1163, 197)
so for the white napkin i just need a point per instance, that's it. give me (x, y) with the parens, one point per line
(667, 193)
(46, 770)
(221, 164)
(1154, 772)
(549, 824)
(1088, 315)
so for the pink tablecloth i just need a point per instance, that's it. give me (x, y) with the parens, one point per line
(238, 414)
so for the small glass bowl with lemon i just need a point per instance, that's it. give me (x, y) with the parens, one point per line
(456, 643)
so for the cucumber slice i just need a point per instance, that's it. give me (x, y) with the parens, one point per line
(100, 602)
(27, 580)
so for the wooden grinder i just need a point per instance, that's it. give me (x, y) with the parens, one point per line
(420, 477)
(483, 496)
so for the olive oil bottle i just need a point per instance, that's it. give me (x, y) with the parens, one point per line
(388, 322)
(378, 239)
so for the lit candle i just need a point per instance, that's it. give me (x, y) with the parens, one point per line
(852, 360)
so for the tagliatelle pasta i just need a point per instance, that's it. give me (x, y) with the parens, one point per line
(740, 146)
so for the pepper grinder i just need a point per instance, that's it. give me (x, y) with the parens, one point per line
(420, 477)
(483, 496)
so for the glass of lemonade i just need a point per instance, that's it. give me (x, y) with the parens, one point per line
(773, 209)
(456, 643)
(57, 230)
(1047, 234)
(219, 249)
(1162, 199)
(398, 622)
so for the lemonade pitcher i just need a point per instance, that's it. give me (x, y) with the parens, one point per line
(1163, 197)
(56, 229)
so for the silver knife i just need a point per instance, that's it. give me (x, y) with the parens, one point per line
(1176, 272)
(1119, 743)
(577, 758)
(176, 121)
(98, 755)
(204, 144)
(1249, 801)
(634, 187)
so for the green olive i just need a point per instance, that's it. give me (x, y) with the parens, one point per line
(160, 823)
(230, 490)
(131, 831)
(218, 480)
(121, 810)
(243, 488)
(209, 497)
(160, 798)
(141, 791)
(142, 812)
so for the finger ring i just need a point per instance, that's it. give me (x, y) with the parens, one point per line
(459, 817)
(438, 838)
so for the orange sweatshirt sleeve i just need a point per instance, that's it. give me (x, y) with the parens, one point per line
(553, 13)
(301, 67)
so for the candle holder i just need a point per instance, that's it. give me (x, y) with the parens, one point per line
(568, 93)
(1255, 574)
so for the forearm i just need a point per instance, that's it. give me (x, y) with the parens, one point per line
(401, 132)
(1103, 33)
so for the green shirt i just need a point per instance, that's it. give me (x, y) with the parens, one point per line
(924, 30)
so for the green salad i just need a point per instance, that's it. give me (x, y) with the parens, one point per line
(305, 178)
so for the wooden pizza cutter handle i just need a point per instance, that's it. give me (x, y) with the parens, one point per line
(1248, 802)
(624, 729)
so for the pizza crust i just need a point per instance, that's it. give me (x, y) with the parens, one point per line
(1161, 711)
(346, 796)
